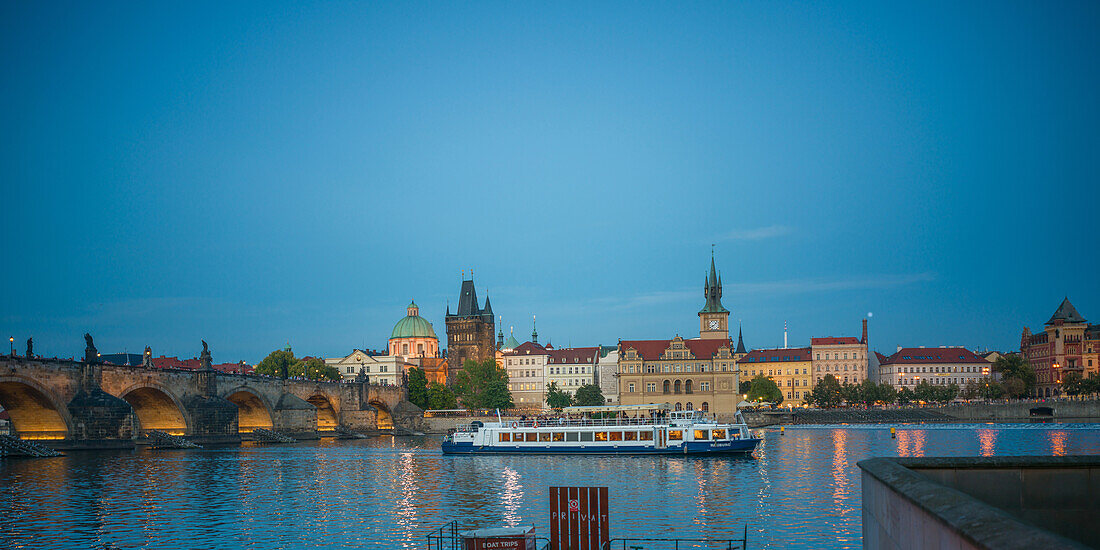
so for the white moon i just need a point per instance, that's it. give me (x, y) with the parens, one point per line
(869, 314)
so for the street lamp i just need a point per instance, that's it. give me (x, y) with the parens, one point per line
(11, 341)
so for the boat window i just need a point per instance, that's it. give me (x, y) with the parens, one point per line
(601, 436)
(559, 436)
(571, 436)
(675, 435)
(702, 435)
(616, 436)
(505, 437)
(531, 436)
(586, 436)
(645, 436)
(719, 434)
(544, 436)
(630, 436)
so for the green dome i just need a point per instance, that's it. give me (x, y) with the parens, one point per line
(413, 326)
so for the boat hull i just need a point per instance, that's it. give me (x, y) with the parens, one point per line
(691, 448)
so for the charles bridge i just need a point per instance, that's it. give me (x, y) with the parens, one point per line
(86, 404)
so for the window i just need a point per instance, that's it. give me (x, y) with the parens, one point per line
(651, 387)
(704, 386)
(719, 434)
(675, 435)
(544, 436)
(645, 436)
(615, 436)
(505, 437)
(405, 348)
(586, 436)
(702, 435)
(571, 436)
(630, 387)
(667, 386)
(559, 436)
(601, 436)
(630, 436)
(531, 437)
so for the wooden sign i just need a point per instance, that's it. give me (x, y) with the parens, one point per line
(578, 518)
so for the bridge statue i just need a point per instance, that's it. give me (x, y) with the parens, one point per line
(204, 359)
(91, 355)
(30, 348)
(147, 358)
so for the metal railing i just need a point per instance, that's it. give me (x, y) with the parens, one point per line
(678, 543)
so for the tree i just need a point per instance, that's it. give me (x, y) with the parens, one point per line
(314, 369)
(277, 363)
(868, 391)
(948, 393)
(1073, 384)
(924, 391)
(887, 393)
(852, 393)
(971, 390)
(589, 395)
(1014, 387)
(418, 388)
(905, 396)
(990, 389)
(1014, 366)
(440, 397)
(765, 389)
(826, 393)
(744, 386)
(483, 385)
(556, 398)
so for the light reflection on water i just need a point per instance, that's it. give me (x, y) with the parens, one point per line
(801, 491)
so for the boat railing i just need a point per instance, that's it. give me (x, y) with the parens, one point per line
(586, 422)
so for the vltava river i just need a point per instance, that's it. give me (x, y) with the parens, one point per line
(801, 491)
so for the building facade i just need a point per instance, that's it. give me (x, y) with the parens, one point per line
(790, 368)
(413, 336)
(607, 374)
(844, 357)
(378, 367)
(526, 367)
(939, 366)
(1059, 349)
(571, 368)
(469, 330)
(699, 373)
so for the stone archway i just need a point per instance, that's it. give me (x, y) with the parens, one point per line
(327, 415)
(35, 414)
(156, 409)
(383, 418)
(252, 412)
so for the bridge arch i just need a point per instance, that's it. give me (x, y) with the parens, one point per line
(253, 410)
(157, 408)
(328, 412)
(384, 417)
(35, 412)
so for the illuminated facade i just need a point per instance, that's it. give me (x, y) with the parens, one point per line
(940, 366)
(844, 357)
(790, 368)
(1060, 349)
(413, 336)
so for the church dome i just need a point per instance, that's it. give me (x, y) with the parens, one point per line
(413, 325)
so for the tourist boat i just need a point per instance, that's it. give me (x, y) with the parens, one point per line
(630, 429)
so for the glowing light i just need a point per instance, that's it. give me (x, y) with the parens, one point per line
(987, 440)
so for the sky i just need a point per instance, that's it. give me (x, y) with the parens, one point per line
(258, 173)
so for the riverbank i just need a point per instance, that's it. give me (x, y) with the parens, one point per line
(1055, 410)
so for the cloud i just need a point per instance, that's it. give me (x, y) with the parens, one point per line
(758, 233)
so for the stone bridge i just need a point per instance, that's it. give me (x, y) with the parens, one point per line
(74, 404)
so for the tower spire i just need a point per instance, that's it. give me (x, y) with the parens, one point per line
(534, 331)
(740, 340)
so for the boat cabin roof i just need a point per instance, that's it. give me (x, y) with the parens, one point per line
(618, 408)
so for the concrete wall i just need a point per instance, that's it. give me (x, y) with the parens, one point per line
(925, 503)
(1063, 410)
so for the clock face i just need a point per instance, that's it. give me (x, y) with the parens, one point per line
(714, 324)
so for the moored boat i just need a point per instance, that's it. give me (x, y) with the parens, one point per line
(625, 429)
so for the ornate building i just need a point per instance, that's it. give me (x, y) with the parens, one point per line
(414, 336)
(844, 357)
(469, 330)
(789, 368)
(1063, 347)
(698, 373)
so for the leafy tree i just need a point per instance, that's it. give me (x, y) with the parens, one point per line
(1073, 384)
(971, 390)
(556, 398)
(990, 389)
(947, 393)
(765, 389)
(1014, 366)
(924, 391)
(418, 387)
(277, 363)
(440, 397)
(852, 393)
(589, 395)
(905, 396)
(314, 369)
(868, 393)
(826, 394)
(483, 385)
(1014, 387)
(887, 393)
(744, 387)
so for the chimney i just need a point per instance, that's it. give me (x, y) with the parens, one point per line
(863, 339)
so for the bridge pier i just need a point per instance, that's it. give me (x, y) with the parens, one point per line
(99, 419)
(214, 420)
(295, 417)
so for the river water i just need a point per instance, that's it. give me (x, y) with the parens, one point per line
(801, 490)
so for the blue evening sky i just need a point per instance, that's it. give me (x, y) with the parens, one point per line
(257, 173)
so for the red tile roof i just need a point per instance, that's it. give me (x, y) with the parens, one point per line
(528, 348)
(881, 357)
(651, 350)
(573, 355)
(163, 362)
(833, 340)
(775, 355)
(923, 356)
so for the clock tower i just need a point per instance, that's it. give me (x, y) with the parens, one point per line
(713, 318)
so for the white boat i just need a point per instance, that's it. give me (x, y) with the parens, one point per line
(631, 429)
